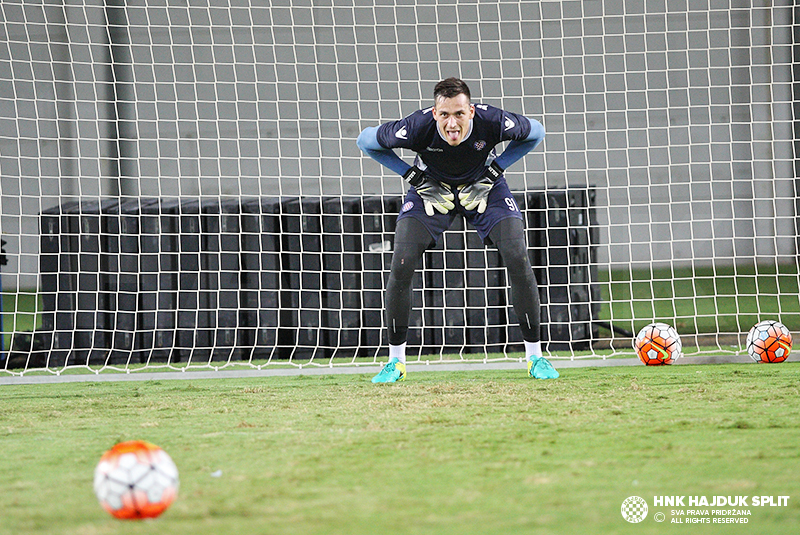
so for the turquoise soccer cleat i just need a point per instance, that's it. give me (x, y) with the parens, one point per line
(393, 371)
(540, 368)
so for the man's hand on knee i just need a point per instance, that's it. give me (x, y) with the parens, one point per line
(436, 196)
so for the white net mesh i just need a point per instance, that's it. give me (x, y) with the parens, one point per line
(180, 181)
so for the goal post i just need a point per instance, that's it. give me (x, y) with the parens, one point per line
(180, 184)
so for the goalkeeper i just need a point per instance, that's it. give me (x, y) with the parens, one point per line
(456, 171)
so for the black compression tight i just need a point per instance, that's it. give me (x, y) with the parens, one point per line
(411, 238)
(411, 241)
(509, 237)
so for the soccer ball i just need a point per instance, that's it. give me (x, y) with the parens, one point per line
(135, 480)
(769, 341)
(658, 344)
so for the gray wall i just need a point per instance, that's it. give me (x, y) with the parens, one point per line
(678, 111)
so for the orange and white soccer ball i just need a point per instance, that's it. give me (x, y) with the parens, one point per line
(136, 480)
(769, 341)
(658, 344)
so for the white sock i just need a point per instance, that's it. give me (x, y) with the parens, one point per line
(533, 350)
(398, 351)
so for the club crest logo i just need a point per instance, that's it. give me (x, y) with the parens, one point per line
(406, 207)
(634, 509)
(480, 144)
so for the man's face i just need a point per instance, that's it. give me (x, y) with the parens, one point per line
(452, 117)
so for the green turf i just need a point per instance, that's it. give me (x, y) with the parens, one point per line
(21, 312)
(702, 299)
(473, 452)
(695, 299)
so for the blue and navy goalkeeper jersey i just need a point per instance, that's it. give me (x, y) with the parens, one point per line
(466, 161)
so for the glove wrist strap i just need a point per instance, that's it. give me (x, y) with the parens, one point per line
(414, 176)
(494, 171)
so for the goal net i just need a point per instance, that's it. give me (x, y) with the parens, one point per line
(180, 184)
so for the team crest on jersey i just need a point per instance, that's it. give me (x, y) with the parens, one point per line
(480, 144)
(406, 207)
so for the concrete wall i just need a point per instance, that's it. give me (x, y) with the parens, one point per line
(678, 111)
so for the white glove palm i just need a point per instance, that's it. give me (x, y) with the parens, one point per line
(436, 195)
(476, 195)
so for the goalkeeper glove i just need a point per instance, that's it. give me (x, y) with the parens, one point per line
(476, 195)
(435, 195)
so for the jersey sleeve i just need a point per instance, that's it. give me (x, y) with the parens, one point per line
(515, 150)
(396, 134)
(514, 126)
(410, 132)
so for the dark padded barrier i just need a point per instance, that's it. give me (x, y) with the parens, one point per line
(172, 279)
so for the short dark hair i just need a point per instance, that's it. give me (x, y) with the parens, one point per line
(451, 87)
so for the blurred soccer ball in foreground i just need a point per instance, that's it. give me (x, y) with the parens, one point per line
(769, 341)
(658, 344)
(135, 480)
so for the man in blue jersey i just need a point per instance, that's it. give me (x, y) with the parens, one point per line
(457, 172)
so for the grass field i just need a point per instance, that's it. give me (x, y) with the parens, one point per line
(473, 452)
(700, 299)
(711, 299)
